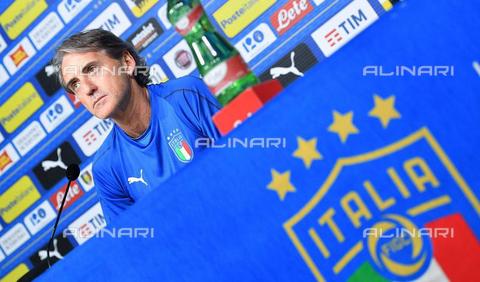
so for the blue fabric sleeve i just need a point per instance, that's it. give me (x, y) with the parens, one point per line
(191, 98)
(112, 197)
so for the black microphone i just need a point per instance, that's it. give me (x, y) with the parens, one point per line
(72, 173)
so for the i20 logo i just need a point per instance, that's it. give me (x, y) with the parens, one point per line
(39, 217)
(56, 113)
(255, 42)
(69, 9)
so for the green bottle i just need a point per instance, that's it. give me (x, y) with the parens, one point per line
(220, 64)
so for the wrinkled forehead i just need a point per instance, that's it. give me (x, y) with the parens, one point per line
(73, 63)
(80, 58)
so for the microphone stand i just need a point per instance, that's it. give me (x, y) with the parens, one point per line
(72, 173)
(50, 242)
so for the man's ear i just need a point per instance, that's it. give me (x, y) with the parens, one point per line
(129, 62)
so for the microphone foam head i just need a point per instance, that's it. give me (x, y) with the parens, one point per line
(73, 171)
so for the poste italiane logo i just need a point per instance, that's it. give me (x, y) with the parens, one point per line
(234, 16)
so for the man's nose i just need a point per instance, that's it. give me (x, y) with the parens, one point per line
(89, 86)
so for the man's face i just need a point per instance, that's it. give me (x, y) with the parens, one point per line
(102, 84)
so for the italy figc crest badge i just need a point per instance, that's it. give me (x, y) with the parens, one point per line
(180, 146)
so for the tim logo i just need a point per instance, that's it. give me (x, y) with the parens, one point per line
(349, 25)
(91, 135)
(91, 227)
(345, 25)
(333, 37)
(180, 146)
(112, 19)
(290, 14)
(409, 185)
(110, 23)
(85, 226)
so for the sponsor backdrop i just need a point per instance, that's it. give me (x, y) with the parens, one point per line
(42, 129)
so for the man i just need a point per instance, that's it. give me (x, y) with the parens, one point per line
(155, 125)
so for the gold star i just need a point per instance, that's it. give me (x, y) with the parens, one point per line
(384, 110)
(307, 151)
(281, 183)
(343, 125)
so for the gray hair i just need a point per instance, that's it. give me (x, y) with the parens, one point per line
(100, 40)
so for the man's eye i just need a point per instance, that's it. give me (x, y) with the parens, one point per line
(92, 69)
(75, 86)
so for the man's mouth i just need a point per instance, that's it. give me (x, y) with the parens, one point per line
(98, 100)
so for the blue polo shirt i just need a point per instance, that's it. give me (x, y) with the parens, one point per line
(127, 169)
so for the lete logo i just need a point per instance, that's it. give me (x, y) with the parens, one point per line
(73, 194)
(290, 14)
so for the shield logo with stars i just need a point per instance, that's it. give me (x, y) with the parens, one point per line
(180, 146)
(355, 225)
